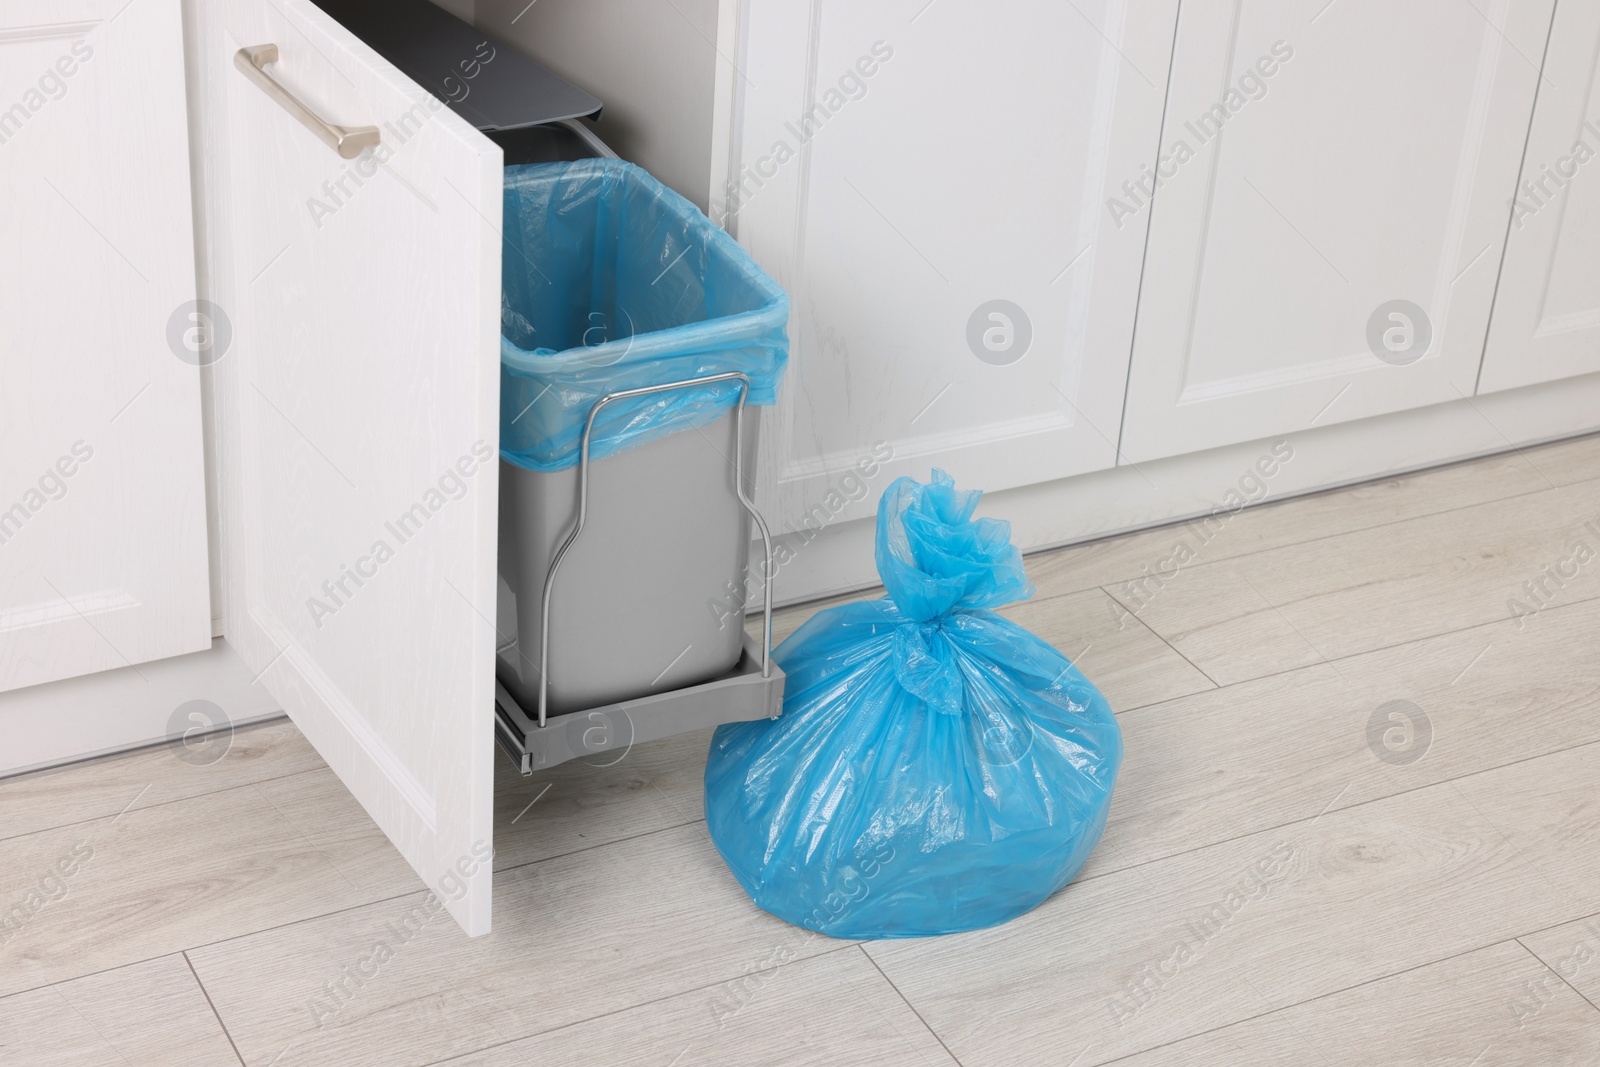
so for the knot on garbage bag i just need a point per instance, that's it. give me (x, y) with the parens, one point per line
(935, 558)
(925, 666)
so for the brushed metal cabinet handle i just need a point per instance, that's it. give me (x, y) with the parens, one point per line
(348, 141)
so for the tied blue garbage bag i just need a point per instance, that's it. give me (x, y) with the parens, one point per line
(611, 281)
(936, 767)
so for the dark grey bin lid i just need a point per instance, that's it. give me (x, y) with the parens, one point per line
(429, 44)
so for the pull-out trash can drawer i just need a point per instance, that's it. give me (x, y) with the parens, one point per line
(634, 335)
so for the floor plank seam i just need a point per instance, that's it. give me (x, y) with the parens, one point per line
(98, 1033)
(1575, 602)
(907, 1002)
(1287, 544)
(1353, 807)
(1312, 1000)
(338, 911)
(1175, 651)
(1559, 976)
(600, 844)
(1556, 926)
(1331, 661)
(214, 1012)
(619, 1011)
(152, 806)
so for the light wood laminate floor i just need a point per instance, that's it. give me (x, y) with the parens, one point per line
(1435, 895)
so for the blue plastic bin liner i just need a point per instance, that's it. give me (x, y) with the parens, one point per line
(936, 767)
(612, 281)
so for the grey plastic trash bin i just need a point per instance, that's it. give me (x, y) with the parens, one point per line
(649, 599)
(641, 602)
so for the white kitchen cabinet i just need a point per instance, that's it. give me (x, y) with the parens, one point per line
(359, 417)
(1335, 158)
(928, 182)
(102, 504)
(1546, 321)
(898, 167)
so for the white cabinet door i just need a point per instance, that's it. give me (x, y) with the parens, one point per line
(360, 415)
(1546, 321)
(102, 494)
(1324, 239)
(929, 183)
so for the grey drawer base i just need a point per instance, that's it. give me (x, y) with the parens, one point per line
(738, 696)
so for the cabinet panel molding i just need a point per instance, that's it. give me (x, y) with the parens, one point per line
(1327, 248)
(1546, 321)
(930, 184)
(103, 559)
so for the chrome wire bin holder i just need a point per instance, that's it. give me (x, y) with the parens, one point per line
(742, 694)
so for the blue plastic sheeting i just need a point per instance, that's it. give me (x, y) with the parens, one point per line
(936, 767)
(612, 281)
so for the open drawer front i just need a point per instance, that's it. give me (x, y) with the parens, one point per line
(358, 416)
